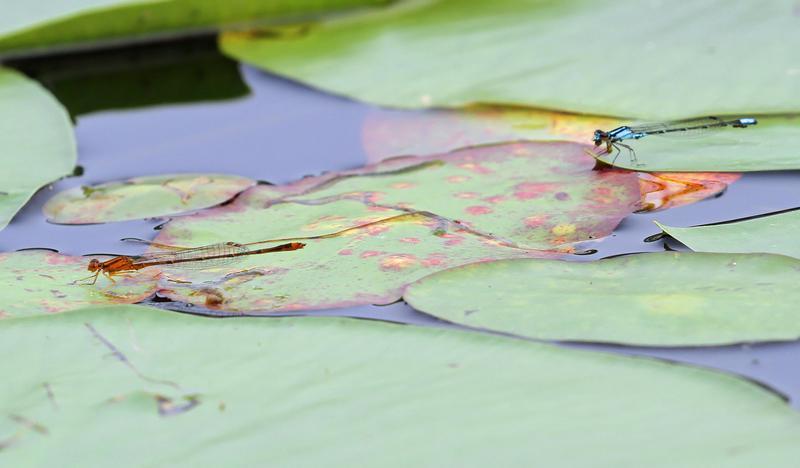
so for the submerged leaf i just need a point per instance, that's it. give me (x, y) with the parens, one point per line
(261, 392)
(661, 299)
(143, 197)
(609, 57)
(37, 145)
(125, 78)
(388, 133)
(768, 234)
(43, 282)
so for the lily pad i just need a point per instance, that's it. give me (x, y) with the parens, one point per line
(43, 282)
(122, 381)
(772, 145)
(539, 195)
(371, 231)
(610, 57)
(54, 24)
(361, 255)
(387, 133)
(36, 142)
(769, 234)
(660, 299)
(143, 197)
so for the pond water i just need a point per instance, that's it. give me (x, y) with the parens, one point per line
(183, 108)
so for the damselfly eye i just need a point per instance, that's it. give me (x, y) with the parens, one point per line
(94, 264)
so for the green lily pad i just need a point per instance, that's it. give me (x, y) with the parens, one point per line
(43, 282)
(611, 57)
(772, 145)
(53, 24)
(111, 385)
(373, 254)
(662, 299)
(36, 142)
(775, 234)
(143, 197)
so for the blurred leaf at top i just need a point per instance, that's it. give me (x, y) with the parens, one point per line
(771, 234)
(653, 299)
(143, 197)
(144, 75)
(43, 25)
(654, 60)
(37, 144)
(134, 387)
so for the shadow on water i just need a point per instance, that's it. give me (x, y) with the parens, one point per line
(182, 107)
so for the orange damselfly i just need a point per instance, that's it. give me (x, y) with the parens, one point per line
(207, 256)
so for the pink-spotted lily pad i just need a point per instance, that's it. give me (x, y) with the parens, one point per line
(370, 232)
(354, 254)
(540, 195)
(390, 132)
(41, 282)
(143, 197)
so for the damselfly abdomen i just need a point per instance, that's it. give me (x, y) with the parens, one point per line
(690, 127)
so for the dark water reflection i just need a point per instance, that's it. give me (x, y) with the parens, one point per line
(282, 131)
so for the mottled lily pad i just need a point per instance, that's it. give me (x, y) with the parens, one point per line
(37, 145)
(42, 282)
(768, 234)
(369, 232)
(662, 299)
(132, 386)
(539, 195)
(374, 254)
(391, 132)
(608, 57)
(143, 197)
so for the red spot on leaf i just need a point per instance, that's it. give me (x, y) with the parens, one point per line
(434, 260)
(403, 185)
(346, 252)
(476, 168)
(370, 253)
(467, 195)
(457, 179)
(495, 199)
(478, 210)
(398, 262)
(410, 240)
(530, 190)
(536, 221)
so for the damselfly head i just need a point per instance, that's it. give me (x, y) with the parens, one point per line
(599, 137)
(94, 264)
